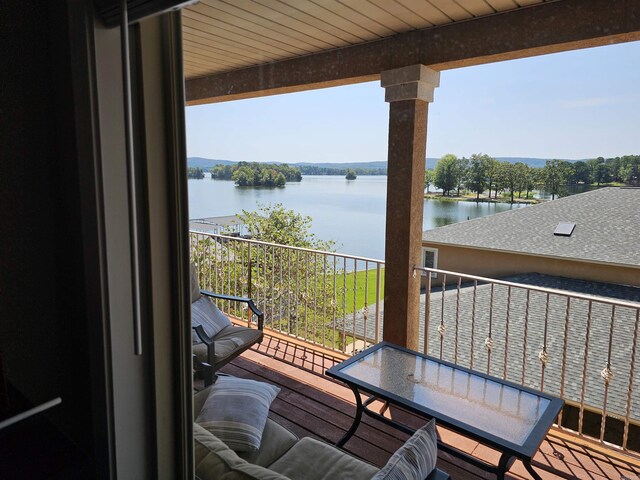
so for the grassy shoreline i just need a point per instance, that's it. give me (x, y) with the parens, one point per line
(482, 199)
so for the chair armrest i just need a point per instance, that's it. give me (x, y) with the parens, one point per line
(208, 341)
(248, 301)
(437, 474)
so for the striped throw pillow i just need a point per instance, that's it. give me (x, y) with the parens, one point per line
(206, 313)
(415, 459)
(236, 411)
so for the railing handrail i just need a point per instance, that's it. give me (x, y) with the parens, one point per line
(553, 291)
(279, 245)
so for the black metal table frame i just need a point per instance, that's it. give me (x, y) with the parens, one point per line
(510, 451)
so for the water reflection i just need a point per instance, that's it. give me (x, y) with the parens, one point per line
(351, 213)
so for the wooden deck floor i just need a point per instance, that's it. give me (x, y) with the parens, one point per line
(311, 404)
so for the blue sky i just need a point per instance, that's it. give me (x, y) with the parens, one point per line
(572, 105)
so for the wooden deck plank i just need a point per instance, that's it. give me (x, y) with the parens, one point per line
(311, 404)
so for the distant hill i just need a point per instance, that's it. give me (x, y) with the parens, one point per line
(207, 163)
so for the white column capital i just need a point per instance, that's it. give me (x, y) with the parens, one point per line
(415, 82)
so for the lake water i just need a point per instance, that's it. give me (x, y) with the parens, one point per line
(351, 213)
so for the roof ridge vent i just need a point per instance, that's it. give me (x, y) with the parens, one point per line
(564, 229)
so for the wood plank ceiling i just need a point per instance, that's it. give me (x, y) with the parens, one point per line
(225, 35)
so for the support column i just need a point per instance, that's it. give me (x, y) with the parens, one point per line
(408, 91)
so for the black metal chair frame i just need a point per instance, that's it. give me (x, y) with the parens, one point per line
(210, 366)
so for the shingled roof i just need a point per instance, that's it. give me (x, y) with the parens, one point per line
(607, 228)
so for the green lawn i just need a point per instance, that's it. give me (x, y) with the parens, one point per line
(368, 276)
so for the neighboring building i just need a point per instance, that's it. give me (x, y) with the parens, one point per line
(604, 246)
(218, 225)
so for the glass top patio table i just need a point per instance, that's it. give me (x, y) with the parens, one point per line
(508, 414)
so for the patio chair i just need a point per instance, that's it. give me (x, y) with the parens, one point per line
(216, 340)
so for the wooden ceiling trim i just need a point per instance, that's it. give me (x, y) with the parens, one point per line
(478, 8)
(294, 11)
(327, 16)
(247, 21)
(225, 37)
(545, 28)
(501, 5)
(361, 19)
(196, 49)
(246, 37)
(289, 22)
(401, 12)
(379, 15)
(427, 11)
(209, 41)
(207, 60)
(451, 9)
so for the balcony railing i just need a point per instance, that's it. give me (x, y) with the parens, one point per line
(316, 296)
(582, 348)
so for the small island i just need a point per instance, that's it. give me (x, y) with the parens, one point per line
(351, 174)
(254, 174)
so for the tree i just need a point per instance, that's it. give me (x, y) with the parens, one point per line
(462, 168)
(195, 172)
(493, 171)
(599, 170)
(428, 179)
(351, 174)
(508, 174)
(446, 173)
(580, 173)
(276, 224)
(299, 290)
(521, 173)
(556, 173)
(477, 173)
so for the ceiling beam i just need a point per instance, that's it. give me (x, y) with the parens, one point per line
(545, 28)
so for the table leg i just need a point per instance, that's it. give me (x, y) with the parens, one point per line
(506, 460)
(529, 467)
(356, 420)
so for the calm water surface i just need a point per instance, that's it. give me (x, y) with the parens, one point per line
(351, 213)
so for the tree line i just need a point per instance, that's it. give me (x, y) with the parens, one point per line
(254, 174)
(195, 172)
(481, 172)
(313, 170)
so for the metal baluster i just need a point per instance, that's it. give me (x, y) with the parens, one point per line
(355, 307)
(564, 354)
(526, 331)
(365, 308)
(306, 296)
(634, 345)
(272, 288)
(297, 295)
(543, 356)
(473, 321)
(324, 300)
(213, 262)
(378, 292)
(607, 376)
(334, 300)
(506, 333)
(427, 314)
(344, 304)
(584, 368)
(315, 297)
(457, 320)
(441, 327)
(489, 340)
